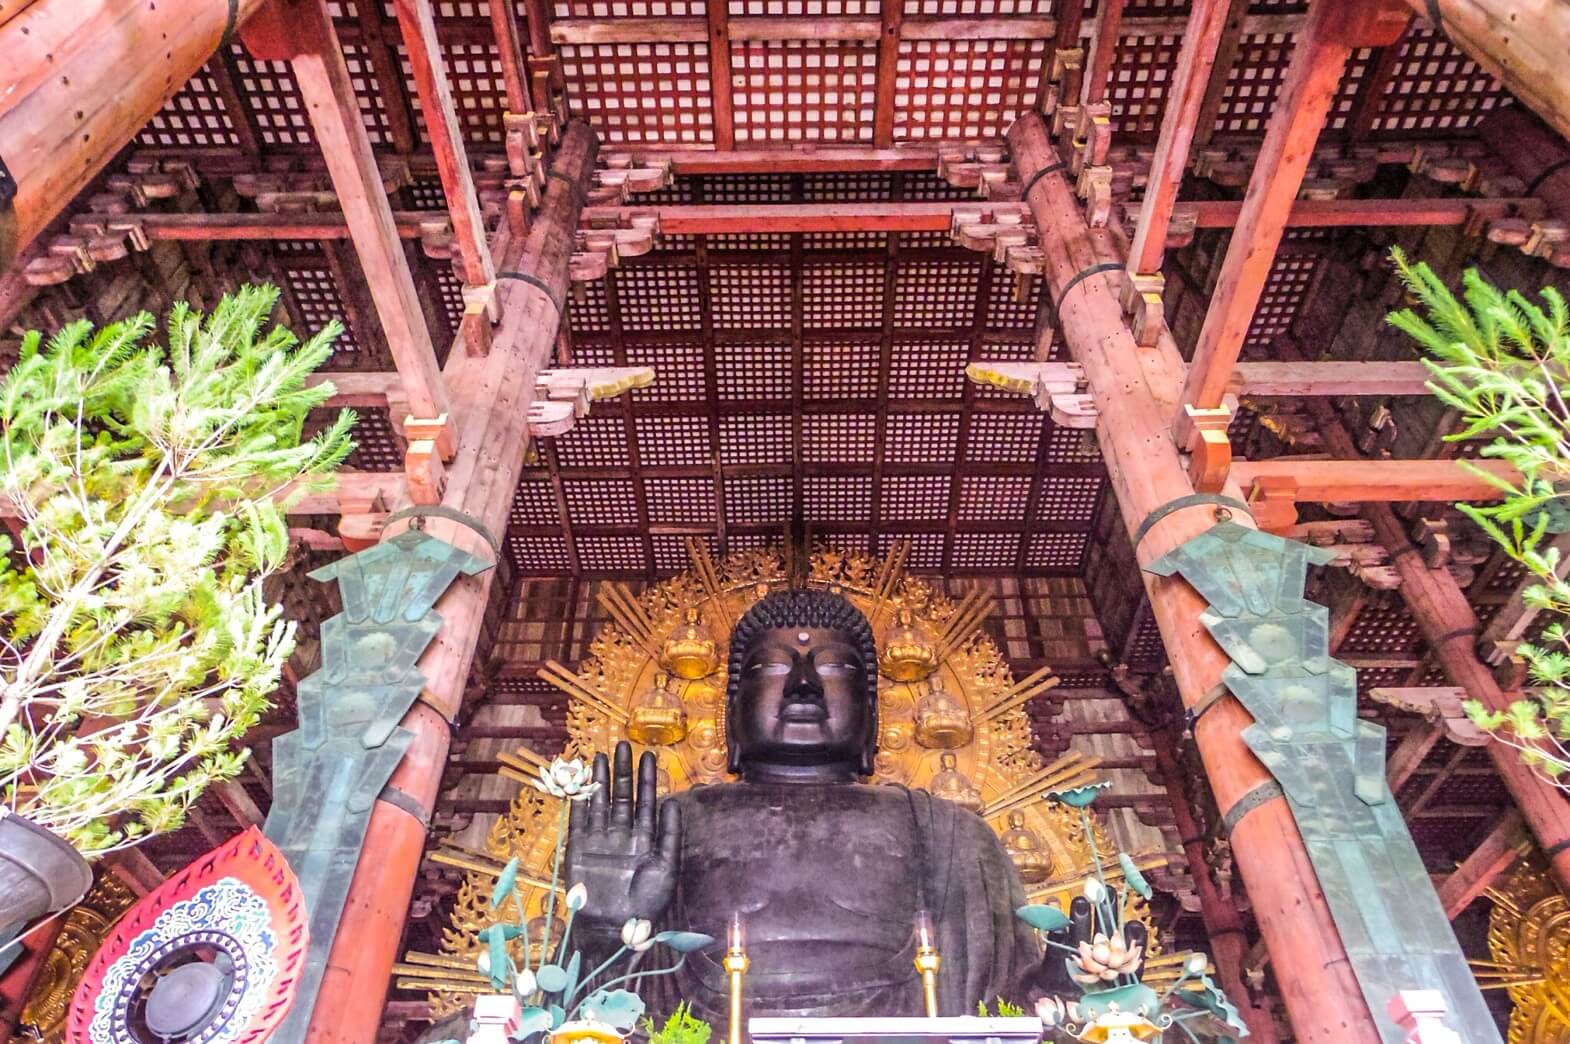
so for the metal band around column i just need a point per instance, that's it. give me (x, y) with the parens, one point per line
(539, 284)
(1024, 193)
(1191, 715)
(404, 800)
(452, 514)
(1190, 500)
(1265, 792)
(1079, 277)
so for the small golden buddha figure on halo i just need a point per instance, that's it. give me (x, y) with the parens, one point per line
(908, 655)
(1029, 855)
(951, 785)
(691, 651)
(942, 722)
(658, 717)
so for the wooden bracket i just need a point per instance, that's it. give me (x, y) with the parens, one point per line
(621, 174)
(480, 311)
(1068, 68)
(1432, 536)
(1092, 137)
(1440, 704)
(983, 166)
(1273, 501)
(1094, 186)
(600, 245)
(1057, 388)
(563, 395)
(438, 432)
(1210, 452)
(1005, 230)
(1142, 301)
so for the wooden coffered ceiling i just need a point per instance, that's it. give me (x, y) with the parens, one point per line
(810, 378)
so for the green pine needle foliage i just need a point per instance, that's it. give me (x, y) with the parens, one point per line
(682, 1027)
(136, 644)
(1502, 361)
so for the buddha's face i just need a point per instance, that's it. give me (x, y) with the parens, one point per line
(802, 699)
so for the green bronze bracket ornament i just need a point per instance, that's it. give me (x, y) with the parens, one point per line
(1330, 764)
(329, 773)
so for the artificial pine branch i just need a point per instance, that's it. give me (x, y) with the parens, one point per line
(1502, 361)
(137, 644)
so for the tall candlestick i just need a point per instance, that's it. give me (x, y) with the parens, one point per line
(927, 961)
(736, 964)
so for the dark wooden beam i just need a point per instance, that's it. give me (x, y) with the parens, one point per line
(1301, 379)
(1505, 842)
(1195, 62)
(316, 58)
(716, 30)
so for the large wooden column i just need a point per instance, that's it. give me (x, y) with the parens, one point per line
(80, 78)
(1523, 44)
(1136, 392)
(492, 394)
(1451, 629)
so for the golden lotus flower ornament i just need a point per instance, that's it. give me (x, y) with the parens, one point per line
(658, 717)
(691, 652)
(908, 655)
(1030, 857)
(942, 723)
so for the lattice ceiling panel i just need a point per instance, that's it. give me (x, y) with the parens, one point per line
(642, 93)
(803, 90)
(838, 396)
(197, 116)
(1141, 76)
(965, 88)
(1434, 88)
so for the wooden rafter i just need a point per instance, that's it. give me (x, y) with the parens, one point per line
(307, 39)
(418, 22)
(1319, 57)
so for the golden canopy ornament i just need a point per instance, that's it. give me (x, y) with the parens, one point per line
(975, 741)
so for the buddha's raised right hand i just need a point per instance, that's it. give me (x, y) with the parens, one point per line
(625, 853)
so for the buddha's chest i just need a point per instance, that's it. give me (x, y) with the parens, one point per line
(830, 864)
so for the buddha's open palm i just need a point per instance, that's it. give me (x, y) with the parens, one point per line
(625, 853)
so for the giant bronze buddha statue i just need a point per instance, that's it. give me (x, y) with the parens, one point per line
(826, 871)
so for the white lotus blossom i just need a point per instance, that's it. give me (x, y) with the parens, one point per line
(577, 896)
(567, 779)
(1095, 891)
(524, 983)
(635, 934)
(1105, 958)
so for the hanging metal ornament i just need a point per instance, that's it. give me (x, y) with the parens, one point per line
(211, 956)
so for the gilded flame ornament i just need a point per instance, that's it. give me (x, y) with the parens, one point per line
(1529, 943)
(664, 652)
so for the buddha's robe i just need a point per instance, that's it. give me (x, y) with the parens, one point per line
(828, 879)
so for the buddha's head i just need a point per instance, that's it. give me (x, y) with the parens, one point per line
(803, 686)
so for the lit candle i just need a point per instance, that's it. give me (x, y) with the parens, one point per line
(927, 961)
(738, 935)
(735, 964)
